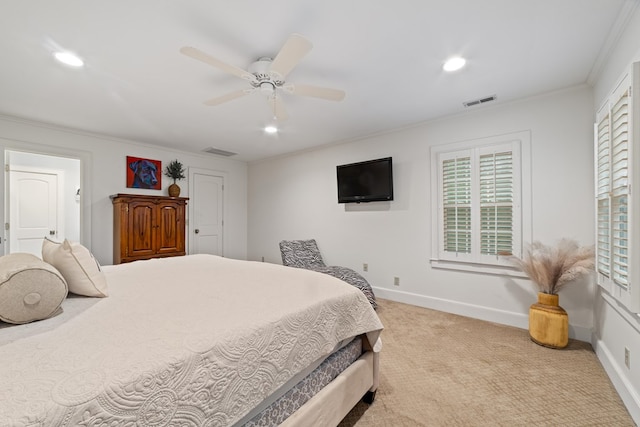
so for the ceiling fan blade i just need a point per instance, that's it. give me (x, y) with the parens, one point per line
(208, 59)
(228, 97)
(315, 92)
(279, 111)
(291, 53)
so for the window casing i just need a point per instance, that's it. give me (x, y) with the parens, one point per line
(477, 202)
(617, 234)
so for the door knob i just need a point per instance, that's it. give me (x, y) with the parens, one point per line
(196, 231)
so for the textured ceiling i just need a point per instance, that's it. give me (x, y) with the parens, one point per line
(387, 57)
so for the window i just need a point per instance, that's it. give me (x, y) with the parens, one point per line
(477, 206)
(614, 201)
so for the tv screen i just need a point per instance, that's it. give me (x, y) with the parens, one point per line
(368, 181)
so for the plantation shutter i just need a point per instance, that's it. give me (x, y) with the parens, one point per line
(603, 186)
(481, 202)
(620, 190)
(479, 207)
(456, 201)
(496, 203)
(616, 139)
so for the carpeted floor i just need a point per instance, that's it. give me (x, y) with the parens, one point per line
(439, 369)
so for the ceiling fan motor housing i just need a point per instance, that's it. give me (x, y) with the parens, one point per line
(262, 70)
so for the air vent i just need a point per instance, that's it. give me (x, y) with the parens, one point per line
(480, 101)
(219, 152)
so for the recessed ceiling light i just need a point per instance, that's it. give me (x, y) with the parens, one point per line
(453, 64)
(271, 129)
(69, 59)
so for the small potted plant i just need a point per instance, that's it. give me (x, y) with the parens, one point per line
(550, 268)
(175, 171)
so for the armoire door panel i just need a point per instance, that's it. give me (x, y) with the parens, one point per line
(141, 229)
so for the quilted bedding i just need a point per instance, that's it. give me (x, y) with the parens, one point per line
(192, 341)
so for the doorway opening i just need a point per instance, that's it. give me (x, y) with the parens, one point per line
(42, 199)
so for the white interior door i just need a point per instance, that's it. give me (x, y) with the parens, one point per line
(34, 209)
(206, 221)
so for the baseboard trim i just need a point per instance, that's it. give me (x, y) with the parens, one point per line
(510, 318)
(620, 381)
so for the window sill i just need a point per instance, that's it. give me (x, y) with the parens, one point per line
(478, 268)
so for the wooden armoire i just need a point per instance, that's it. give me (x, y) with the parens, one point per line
(147, 227)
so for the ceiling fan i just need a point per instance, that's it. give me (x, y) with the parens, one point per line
(267, 76)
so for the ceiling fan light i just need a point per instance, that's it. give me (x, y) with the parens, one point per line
(453, 64)
(267, 88)
(69, 58)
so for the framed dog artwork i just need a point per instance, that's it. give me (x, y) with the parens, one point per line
(144, 173)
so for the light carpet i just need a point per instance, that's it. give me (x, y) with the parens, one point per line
(440, 369)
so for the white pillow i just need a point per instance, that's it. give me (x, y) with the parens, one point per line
(78, 266)
(30, 289)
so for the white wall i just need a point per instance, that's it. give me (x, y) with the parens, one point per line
(615, 327)
(294, 197)
(104, 172)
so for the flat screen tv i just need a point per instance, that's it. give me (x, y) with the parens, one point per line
(368, 181)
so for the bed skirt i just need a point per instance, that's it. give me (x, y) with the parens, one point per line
(333, 403)
(326, 395)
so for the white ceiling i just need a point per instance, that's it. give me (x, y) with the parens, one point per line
(386, 55)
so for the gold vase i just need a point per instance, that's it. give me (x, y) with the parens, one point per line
(174, 190)
(548, 322)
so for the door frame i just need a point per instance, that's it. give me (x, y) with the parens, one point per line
(85, 183)
(191, 218)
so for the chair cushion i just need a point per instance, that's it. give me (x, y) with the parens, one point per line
(301, 254)
(30, 289)
(78, 266)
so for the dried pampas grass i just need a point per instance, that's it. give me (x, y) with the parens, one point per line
(551, 268)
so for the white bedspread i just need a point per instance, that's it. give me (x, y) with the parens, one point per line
(190, 341)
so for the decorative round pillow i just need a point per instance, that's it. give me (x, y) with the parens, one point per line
(30, 289)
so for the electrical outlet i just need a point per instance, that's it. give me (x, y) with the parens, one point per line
(396, 281)
(627, 358)
(365, 267)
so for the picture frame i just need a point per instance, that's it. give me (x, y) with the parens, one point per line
(144, 173)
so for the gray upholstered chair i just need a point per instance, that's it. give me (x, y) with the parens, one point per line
(305, 254)
(301, 254)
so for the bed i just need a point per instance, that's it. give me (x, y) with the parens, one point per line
(198, 340)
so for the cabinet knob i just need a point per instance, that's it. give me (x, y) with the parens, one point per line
(196, 231)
